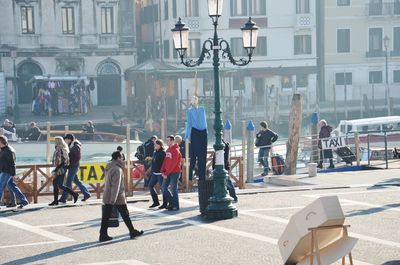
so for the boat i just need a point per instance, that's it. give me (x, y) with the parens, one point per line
(99, 144)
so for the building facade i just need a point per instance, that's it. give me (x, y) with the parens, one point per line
(67, 38)
(362, 58)
(284, 61)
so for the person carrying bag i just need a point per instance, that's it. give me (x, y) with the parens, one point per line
(61, 162)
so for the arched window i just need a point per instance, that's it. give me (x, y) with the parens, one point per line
(108, 68)
(108, 84)
(25, 73)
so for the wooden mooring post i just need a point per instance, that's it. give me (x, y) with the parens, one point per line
(292, 145)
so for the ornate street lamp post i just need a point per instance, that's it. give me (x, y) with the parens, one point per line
(386, 45)
(220, 206)
(16, 107)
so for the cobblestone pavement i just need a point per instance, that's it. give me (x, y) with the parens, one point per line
(69, 234)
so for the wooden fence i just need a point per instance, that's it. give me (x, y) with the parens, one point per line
(36, 180)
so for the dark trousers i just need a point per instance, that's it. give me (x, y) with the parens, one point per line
(123, 210)
(58, 182)
(198, 153)
(231, 188)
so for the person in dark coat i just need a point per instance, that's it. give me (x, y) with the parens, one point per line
(227, 166)
(8, 171)
(325, 132)
(114, 195)
(74, 161)
(33, 133)
(156, 163)
(264, 140)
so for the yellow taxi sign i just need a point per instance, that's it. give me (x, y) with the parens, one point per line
(92, 173)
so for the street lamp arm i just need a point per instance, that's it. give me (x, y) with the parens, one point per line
(205, 52)
(227, 53)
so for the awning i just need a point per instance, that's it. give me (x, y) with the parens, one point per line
(167, 70)
(57, 78)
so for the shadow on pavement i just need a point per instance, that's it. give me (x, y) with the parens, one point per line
(392, 262)
(66, 250)
(372, 210)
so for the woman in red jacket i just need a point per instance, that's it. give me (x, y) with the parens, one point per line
(171, 170)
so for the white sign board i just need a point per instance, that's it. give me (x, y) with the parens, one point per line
(333, 143)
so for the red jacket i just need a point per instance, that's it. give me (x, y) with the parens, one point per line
(172, 161)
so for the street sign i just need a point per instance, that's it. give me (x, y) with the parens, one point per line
(92, 173)
(333, 143)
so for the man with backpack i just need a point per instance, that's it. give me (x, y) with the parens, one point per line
(146, 149)
(264, 140)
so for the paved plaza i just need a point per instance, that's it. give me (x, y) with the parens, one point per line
(69, 234)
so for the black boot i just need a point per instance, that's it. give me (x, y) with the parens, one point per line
(55, 194)
(135, 233)
(320, 165)
(155, 201)
(104, 238)
(331, 165)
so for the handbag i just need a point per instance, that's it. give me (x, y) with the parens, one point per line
(61, 171)
(114, 218)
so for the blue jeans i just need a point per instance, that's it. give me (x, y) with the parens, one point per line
(171, 196)
(153, 181)
(5, 179)
(11, 194)
(72, 176)
(263, 155)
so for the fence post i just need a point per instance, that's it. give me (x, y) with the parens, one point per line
(386, 156)
(128, 159)
(250, 153)
(369, 151)
(98, 190)
(244, 145)
(314, 138)
(162, 128)
(357, 147)
(48, 148)
(35, 183)
(241, 173)
(228, 132)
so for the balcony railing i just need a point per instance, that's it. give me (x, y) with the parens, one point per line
(395, 53)
(383, 9)
(375, 53)
(108, 40)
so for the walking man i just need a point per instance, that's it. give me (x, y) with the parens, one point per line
(171, 170)
(264, 139)
(7, 171)
(74, 160)
(114, 195)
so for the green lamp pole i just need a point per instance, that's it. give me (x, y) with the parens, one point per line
(16, 107)
(220, 206)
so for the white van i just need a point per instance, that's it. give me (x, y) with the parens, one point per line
(379, 124)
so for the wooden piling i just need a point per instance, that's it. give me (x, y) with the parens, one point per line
(294, 134)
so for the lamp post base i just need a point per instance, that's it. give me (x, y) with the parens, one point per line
(220, 209)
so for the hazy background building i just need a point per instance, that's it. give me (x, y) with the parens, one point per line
(355, 55)
(284, 61)
(68, 38)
